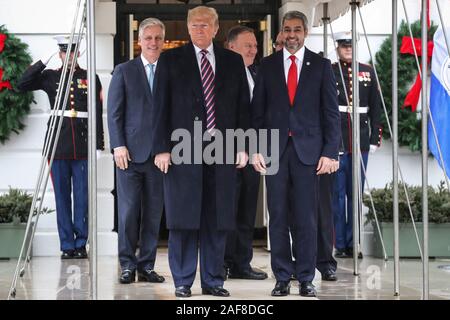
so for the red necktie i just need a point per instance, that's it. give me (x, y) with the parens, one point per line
(292, 80)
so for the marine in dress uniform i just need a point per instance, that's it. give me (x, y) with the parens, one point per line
(370, 138)
(69, 168)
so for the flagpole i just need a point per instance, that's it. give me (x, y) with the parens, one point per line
(395, 146)
(325, 20)
(92, 160)
(425, 288)
(356, 166)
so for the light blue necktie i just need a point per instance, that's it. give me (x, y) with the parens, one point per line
(151, 75)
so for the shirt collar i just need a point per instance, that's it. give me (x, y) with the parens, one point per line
(210, 49)
(145, 61)
(300, 54)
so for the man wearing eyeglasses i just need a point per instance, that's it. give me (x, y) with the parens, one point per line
(239, 250)
(139, 182)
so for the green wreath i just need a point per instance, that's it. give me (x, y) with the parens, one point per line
(409, 124)
(14, 105)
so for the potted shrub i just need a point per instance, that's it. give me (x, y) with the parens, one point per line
(438, 217)
(14, 210)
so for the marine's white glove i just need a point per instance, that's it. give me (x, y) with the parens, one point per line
(373, 148)
(99, 154)
(50, 58)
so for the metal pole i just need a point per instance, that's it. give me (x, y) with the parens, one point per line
(92, 160)
(46, 150)
(356, 151)
(425, 289)
(395, 145)
(325, 20)
(428, 106)
(402, 180)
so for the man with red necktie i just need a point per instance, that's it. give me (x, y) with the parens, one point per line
(295, 93)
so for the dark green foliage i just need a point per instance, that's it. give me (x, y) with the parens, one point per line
(15, 205)
(438, 204)
(14, 105)
(409, 127)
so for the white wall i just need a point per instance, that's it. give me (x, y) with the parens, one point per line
(35, 23)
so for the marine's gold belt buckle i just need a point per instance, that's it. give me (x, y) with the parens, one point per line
(73, 113)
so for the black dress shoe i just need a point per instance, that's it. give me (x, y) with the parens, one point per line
(80, 253)
(329, 275)
(307, 289)
(183, 292)
(349, 252)
(282, 288)
(67, 254)
(341, 253)
(127, 276)
(250, 274)
(150, 276)
(217, 291)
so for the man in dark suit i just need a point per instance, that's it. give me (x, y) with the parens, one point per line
(139, 182)
(199, 86)
(295, 94)
(239, 249)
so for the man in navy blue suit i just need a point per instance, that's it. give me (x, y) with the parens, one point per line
(295, 94)
(139, 182)
(239, 249)
(199, 85)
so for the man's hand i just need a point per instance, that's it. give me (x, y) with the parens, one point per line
(373, 148)
(327, 165)
(121, 157)
(258, 163)
(162, 161)
(50, 58)
(241, 159)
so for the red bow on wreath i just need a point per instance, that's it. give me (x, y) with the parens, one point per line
(2, 41)
(412, 98)
(3, 84)
(408, 45)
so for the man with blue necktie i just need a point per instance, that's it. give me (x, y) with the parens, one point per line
(139, 182)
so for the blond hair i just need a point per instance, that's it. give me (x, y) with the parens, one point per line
(203, 11)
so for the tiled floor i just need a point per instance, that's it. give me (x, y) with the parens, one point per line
(51, 278)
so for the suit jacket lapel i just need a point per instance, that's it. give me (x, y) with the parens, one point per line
(193, 70)
(304, 75)
(220, 68)
(143, 75)
(281, 76)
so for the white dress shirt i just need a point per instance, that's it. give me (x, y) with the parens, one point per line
(300, 55)
(146, 65)
(251, 83)
(210, 56)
